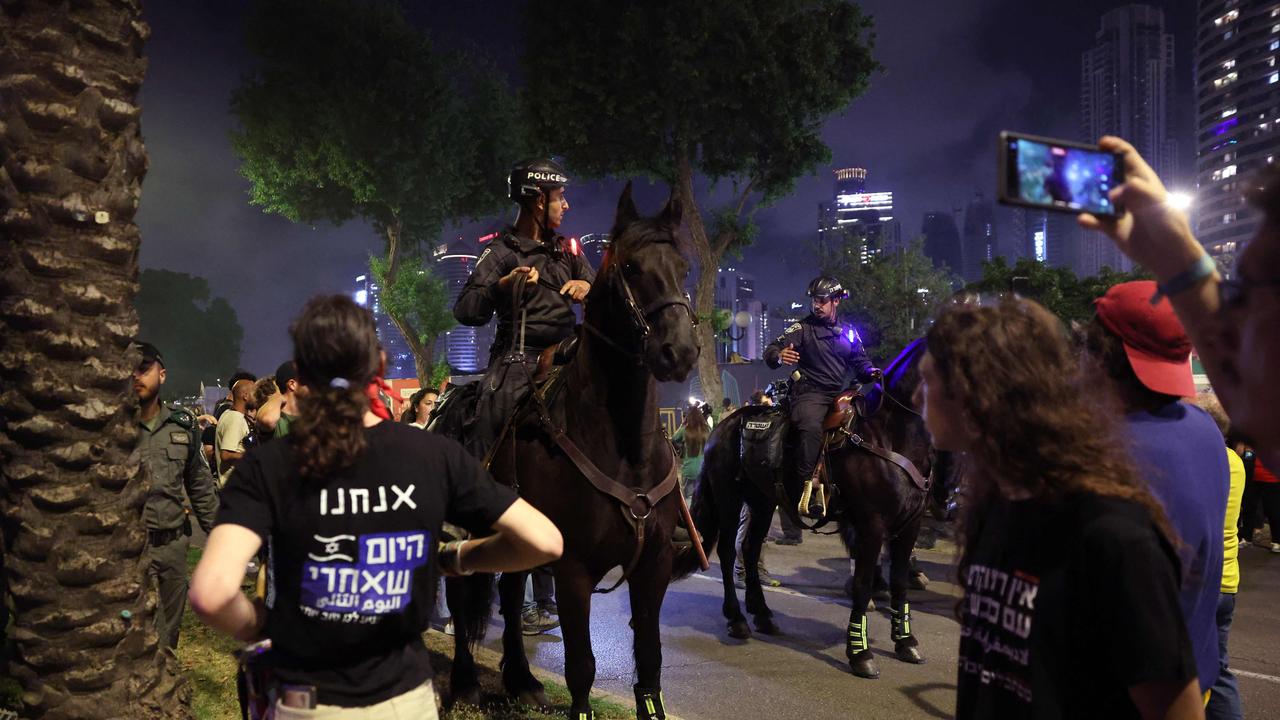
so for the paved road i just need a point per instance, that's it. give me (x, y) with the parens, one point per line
(708, 676)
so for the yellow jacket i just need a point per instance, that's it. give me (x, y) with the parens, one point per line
(1231, 542)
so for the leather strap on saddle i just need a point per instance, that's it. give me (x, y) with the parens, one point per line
(901, 461)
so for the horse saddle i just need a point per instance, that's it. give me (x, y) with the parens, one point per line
(846, 409)
(559, 354)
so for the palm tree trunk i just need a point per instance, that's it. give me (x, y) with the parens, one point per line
(71, 494)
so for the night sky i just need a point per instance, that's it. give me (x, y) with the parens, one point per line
(956, 73)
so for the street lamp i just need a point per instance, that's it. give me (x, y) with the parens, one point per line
(1179, 200)
(735, 330)
(741, 320)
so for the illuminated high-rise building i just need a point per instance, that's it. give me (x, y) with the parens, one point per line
(368, 294)
(593, 246)
(1127, 87)
(856, 220)
(465, 348)
(1237, 117)
(979, 237)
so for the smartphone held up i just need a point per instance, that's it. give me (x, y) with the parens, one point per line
(1057, 175)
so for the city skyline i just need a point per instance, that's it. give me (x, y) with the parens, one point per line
(926, 129)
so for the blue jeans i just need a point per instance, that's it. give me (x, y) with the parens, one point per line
(1224, 696)
(540, 588)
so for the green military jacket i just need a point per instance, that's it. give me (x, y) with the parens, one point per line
(171, 455)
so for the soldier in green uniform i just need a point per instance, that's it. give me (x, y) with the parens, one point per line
(169, 443)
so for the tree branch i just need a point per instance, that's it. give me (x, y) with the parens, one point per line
(742, 201)
(393, 232)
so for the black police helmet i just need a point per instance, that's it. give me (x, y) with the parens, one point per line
(530, 178)
(827, 287)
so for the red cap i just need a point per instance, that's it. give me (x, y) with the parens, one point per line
(1154, 339)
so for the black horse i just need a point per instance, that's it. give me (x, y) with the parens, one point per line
(876, 500)
(591, 455)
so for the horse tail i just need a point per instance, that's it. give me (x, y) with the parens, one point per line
(470, 602)
(703, 510)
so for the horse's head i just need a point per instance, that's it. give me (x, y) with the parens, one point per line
(637, 305)
(899, 394)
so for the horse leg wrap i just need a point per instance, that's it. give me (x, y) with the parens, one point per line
(901, 622)
(649, 704)
(585, 715)
(857, 635)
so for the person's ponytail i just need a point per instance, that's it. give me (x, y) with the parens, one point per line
(329, 433)
(335, 345)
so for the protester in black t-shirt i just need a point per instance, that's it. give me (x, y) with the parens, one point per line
(1070, 579)
(352, 507)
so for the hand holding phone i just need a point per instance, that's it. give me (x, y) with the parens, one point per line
(1058, 175)
(1153, 233)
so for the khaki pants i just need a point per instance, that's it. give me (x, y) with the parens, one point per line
(417, 704)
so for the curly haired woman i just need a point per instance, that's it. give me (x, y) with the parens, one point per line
(1070, 577)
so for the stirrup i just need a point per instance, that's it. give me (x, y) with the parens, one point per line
(812, 487)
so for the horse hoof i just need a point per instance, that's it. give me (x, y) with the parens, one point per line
(871, 606)
(739, 630)
(766, 625)
(864, 665)
(469, 696)
(909, 653)
(533, 698)
(918, 581)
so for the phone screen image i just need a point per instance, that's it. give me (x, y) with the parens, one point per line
(1062, 177)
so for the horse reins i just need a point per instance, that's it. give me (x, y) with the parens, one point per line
(637, 503)
(639, 317)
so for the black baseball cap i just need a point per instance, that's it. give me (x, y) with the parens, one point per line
(150, 353)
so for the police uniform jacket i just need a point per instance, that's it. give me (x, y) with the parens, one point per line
(172, 456)
(827, 352)
(549, 315)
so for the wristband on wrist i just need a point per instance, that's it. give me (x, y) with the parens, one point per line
(451, 558)
(1185, 280)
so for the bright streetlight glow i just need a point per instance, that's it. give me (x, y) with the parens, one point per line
(1179, 200)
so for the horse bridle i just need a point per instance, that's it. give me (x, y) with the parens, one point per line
(641, 316)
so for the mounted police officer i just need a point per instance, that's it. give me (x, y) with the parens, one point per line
(824, 352)
(555, 275)
(169, 444)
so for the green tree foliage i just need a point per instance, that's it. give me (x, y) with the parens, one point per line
(350, 113)
(1058, 289)
(198, 334)
(419, 296)
(733, 90)
(892, 296)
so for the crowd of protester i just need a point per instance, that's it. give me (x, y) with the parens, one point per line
(1106, 501)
